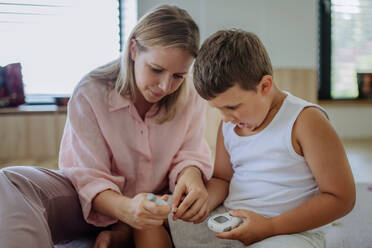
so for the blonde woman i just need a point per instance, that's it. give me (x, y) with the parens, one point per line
(134, 126)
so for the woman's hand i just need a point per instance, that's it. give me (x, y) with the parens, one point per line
(190, 197)
(144, 214)
(254, 228)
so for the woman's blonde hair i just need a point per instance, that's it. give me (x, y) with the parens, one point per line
(165, 26)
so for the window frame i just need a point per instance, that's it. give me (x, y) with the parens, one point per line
(324, 56)
(324, 51)
(49, 99)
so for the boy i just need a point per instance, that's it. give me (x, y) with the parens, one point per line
(278, 161)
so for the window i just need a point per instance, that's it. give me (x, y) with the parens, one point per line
(59, 41)
(345, 49)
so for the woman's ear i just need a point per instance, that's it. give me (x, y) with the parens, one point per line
(133, 48)
(265, 85)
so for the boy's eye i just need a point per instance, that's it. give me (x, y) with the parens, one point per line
(231, 107)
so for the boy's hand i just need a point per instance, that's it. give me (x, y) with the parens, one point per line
(254, 228)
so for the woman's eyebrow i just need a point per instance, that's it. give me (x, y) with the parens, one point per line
(156, 65)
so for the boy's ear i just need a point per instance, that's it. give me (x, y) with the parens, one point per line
(132, 49)
(265, 85)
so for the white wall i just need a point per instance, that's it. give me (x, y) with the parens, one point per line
(288, 28)
(351, 121)
(288, 34)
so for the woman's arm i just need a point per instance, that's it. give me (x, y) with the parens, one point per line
(85, 158)
(113, 204)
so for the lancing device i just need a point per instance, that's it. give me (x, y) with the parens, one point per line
(156, 199)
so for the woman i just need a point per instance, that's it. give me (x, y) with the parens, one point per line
(134, 126)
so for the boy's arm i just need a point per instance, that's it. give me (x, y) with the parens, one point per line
(315, 139)
(323, 151)
(218, 186)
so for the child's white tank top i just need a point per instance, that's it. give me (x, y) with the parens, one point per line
(269, 176)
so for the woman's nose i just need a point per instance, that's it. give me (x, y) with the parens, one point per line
(165, 84)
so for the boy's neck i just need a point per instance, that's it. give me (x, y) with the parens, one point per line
(278, 97)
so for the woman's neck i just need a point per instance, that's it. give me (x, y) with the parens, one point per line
(142, 106)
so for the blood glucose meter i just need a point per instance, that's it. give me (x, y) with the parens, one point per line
(223, 222)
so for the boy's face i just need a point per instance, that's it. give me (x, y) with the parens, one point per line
(245, 108)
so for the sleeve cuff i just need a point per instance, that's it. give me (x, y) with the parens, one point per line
(206, 172)
(87, 194)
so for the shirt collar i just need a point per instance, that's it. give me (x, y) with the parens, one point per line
(117, 101)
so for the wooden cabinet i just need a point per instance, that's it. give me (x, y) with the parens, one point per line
(31, 136)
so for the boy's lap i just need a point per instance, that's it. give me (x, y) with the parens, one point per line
(188, 235)
(313, 239)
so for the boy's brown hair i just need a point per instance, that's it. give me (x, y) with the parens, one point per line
(230, 57)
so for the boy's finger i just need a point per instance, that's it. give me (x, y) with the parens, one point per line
(239, 213)
(228, 235)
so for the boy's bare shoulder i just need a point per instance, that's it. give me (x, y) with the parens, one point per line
(311, 121)
(312, 115)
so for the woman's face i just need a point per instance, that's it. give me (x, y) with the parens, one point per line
(159, 71)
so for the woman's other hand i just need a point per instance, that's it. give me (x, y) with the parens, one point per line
(190, 197)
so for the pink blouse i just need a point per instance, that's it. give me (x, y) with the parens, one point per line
(107, 145)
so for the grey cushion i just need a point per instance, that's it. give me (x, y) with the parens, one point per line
(355, 229)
